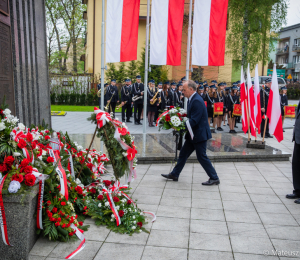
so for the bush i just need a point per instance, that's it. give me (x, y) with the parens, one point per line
(82, 99)
(73, 99)
(89, 99)
(52, 98)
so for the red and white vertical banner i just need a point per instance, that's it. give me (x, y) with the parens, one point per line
(39, 215)
(122, 25)
(209, 32)
(2, 216)
(166, 32)
(82, 244)
(243, 93)
(257, 108)
(274, 109)
(251, 102)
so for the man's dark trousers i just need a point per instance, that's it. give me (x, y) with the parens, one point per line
(296, 169)
(126, 107)
(137, 112)
(187, 149)
(112, 108)
(262, 127)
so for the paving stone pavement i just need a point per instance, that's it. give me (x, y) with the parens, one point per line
(246, 217)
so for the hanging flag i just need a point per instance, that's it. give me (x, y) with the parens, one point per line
(243, 103)
(274, 109)
(166, 32)
(209, 32)
(122, 24)
(251, 102)
(257, 108)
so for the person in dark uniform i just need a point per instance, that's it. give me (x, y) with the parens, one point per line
(227, 92)
(238, 84)
(178, 96)
(126, 101)
(159, 108)
(138, 91)
(131, 90)
(221, 97)
(112, 96)
(99, 98)
(232, 99)
(152, 108)
(264, 99)
(283, 101)
(211, 98)
(201, 92)
(166, 96)
(172, 91)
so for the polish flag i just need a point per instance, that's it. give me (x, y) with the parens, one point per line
(251, 102)
(209, 32)
(257, 108)
(274, 109)
(166, 32)
(122, 24)
(243, 93)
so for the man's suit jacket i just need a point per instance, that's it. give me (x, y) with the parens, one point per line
(296, 133)
(197, 114)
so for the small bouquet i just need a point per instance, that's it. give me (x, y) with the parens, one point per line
(173, 118)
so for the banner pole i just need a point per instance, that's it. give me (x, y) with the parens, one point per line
(146, 72)
(248, 119)
(102, 61)
(188, 52)
(265, 127)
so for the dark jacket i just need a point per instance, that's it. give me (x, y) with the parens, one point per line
(229, 103)
(296, 132)
(166, 100)
(196, 112)
(112, 91)
(126, 94)
(264, 98)
(177, 101)
(137, 88)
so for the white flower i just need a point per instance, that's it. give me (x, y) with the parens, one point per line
(44, 152)
(133, 217)
(175, 120)
(6, 112)
(2, 126)
(99, 205)
(79, 148)
(124, 154)
(14, 186)
(117, 207)
(134, 222)
(185, 119)
(106, 203)
(40, 157)
(77, 181)
(111, 220)
(133, 227)
(140, 230)
(21, 126)
(112, 216)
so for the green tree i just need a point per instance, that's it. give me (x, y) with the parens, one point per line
(132, 70)
(111, 72)
(121, 76)
(250, 25)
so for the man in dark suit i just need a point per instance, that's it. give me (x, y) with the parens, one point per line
(197, 138)
(126, 98)
(112, 96)
(264, 100)
(295, 160)
(138, 90)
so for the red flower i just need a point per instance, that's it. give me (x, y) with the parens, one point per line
(184, 115)
(85, 208)
(30, 179)
(80, 223)
(22, 144)
(140, 224)
(71, 234)
(27, 169)
(107, 183)
(100, 197)
(129, 202)
(131, 152)
(50, 159)
(57, 224)
(33, 144)
(121, 213)
(29, 137)
(49, 202)
(93, 190)
(9, 160)
(59, 219)
(17, 177)
(1, 112)
(54, 210)
(167, 118)
(116, 199)
(171, 107)
(122, 131)
(47, 137)
(40, 152)
(63, 225)
(79, 190)
(90, 166)
(63, 203)
(24, 163)
(3, 168)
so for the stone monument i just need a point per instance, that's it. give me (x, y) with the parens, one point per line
(24, 76)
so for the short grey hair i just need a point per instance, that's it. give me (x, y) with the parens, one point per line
(191, 84)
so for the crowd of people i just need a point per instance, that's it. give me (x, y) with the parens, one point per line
(164, 95)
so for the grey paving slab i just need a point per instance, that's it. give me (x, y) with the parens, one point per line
(166, 253)
(167, 238)
(209, 255)
(211, 242)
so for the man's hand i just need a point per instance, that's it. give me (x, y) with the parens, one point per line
(263, 110)
(142, 94)
(229, 112)
(118, 101)
(108, 101)
(122, 103)
(151, 100)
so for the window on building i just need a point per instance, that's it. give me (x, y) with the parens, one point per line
(296, 59)
(297, 42)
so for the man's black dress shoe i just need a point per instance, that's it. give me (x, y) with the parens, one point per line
(211, 182)
(297, 201)
(269, 136)
(283, 130)
(128, 121)
(170, 177)
(292, 196)
(139, 123)
(136, 123)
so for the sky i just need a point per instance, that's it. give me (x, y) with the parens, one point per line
(293, 13)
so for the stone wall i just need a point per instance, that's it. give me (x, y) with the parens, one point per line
(29, 71)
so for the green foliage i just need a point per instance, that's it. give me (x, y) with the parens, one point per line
(122, 75)
(250, 24)
(132, 70)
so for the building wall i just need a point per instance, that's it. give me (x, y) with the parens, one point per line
(222, 73)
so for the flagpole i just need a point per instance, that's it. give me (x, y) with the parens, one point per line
(146, 73)
(188, 52)
(266, 120)
(248, 119)
(102, 61)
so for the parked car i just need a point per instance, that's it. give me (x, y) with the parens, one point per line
(281, 81)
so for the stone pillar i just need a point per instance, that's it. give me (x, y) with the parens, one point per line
(24, 77)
